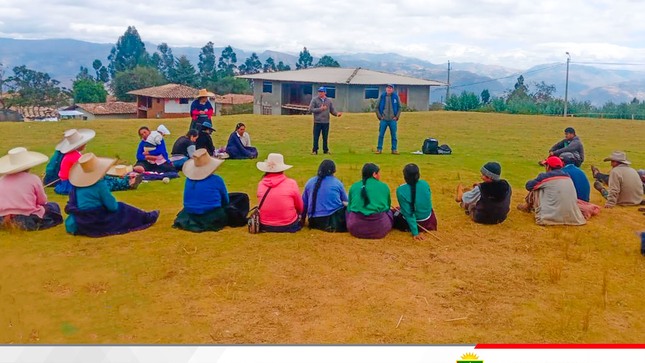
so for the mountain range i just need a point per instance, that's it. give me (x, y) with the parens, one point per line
(62, 59)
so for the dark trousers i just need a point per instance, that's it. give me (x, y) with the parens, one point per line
(324, 129)
(51, 218)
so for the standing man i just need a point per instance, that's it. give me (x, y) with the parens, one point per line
(321, 107)
(388, 110)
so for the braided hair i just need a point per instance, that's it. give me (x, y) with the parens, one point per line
(326, 168)
(411, 175)
(368, 171)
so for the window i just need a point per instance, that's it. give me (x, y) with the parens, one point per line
(331, 91)
(183, 101)
(267, 87)
(267, 110)
(371, 93)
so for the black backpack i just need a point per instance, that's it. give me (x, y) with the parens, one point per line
(430, 146)
(444, 150)
(237, 209)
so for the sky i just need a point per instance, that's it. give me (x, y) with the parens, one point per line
(509, 33)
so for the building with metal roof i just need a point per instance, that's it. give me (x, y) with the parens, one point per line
(353, 89)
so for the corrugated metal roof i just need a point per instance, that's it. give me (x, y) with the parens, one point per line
(331, 75)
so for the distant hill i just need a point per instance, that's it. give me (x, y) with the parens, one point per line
(62, 58)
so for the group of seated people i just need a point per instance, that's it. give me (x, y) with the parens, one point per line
(558, 196)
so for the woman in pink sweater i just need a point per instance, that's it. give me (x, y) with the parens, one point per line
(279, 196)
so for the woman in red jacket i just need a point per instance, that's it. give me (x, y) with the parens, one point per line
(282, 206)
(201, 110)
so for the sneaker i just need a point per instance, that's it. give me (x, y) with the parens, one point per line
(314, 153)
(395, 152)
(327, 152)
(377, 152)
(599, 187)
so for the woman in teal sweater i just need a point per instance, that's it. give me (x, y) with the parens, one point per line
(415, 203)
(369, 214)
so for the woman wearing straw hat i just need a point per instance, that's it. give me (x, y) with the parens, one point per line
(92, 209)
(369, 214)
(201, 110)
(23, 202)
(205, 195)
(283, 205)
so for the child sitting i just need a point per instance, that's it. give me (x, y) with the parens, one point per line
(153, 140)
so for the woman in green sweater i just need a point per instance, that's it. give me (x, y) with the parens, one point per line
(369, 214)
(415, 203)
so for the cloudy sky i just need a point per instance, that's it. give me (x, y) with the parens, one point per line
(512, 33)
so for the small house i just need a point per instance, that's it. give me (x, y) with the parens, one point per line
(167, 101)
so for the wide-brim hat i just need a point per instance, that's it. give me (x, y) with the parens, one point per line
(619, 157)
(204, 93)
(201, 165)
(207, 125)
(20, 159)
(73, 139)
(273, 164)
(89, 169)
(120, 170)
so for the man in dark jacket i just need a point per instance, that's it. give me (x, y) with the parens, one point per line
(388, 111)
(488, 202)
(571, 144)
(321, 107)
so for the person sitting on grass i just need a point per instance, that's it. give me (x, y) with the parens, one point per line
(369, 215)
(578, 177)
(205, 195)
(183, 149)
(148, 154)
(571, 144)
(282, 206)
(92, 209)
(552, 196)
(415, 203)
(625, 184)
(324, 200)
(73, 143)
(239, 144)
(23, 202)
(488, 202)
(204, 139)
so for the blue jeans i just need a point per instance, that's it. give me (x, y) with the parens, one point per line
(179, 164)
(383, 125)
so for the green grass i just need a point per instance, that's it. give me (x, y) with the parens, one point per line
(514, 282)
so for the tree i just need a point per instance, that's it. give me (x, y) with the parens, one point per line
(87, 90)
(206, 65)
(226, 65)
(183, 72)
(128, 53)
(466, 101)
(137, 78)
(269, 66)
(485, 96)
(543, 92)
(102, 74)
(520, 91)
(305, 60)
(35, 88)
(165, 61)
(252, 65)
(84, 73)
(283, 67)
(327, 61)
(232, 85)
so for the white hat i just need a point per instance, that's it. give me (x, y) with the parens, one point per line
(73, 139)
(119, 170)
(163, 129)
(273, 164)
(19, 159)
(619, 157)
(201, 165)
(89, 169)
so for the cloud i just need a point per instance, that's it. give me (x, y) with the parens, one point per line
(512, 33)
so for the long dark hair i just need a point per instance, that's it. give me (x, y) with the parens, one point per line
(326, 168)
(239, 124)
(411, 175)
(368, 171)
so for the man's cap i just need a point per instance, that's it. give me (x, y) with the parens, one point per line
(322, 89)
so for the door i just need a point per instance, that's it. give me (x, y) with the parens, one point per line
(403, 95)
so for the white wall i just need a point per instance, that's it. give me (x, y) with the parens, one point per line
(173, 106)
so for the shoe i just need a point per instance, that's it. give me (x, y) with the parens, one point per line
(395, 152)
(542, 162)
(314, 153)
(137, 180)
(523, 207)
(594, 171)
(460, 193)
(377, 152)
(327, 152)
(598, 186)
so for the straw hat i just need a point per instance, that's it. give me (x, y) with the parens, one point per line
(204, 93)
(73, 139)
(19, 159)
(89, 169)
(273, 164)
(201, 165)
(119, 170)
(619, 157)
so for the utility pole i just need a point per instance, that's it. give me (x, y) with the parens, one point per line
(448, 82)
(566, 87)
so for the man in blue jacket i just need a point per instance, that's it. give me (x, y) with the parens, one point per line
(388, 110)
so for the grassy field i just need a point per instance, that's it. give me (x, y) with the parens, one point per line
(514, 282)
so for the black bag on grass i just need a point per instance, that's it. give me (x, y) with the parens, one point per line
(237, 209)
(444, 150)
(430, 146)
